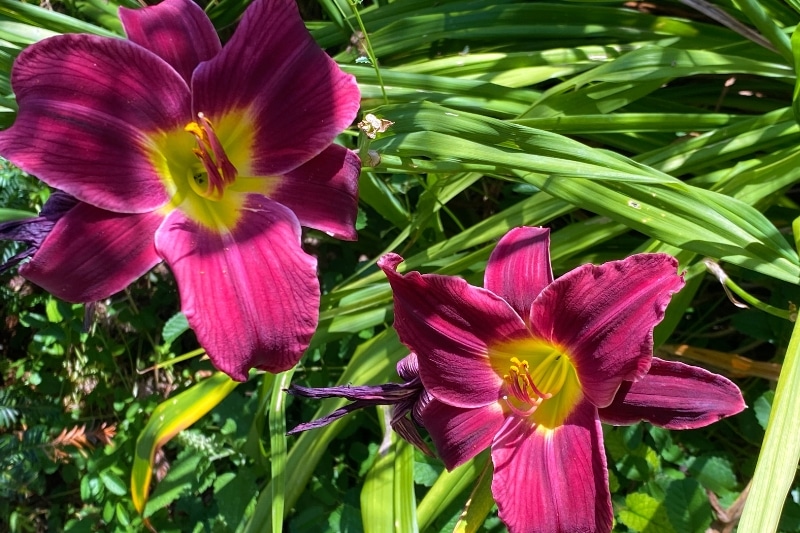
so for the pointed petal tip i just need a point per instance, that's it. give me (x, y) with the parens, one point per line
(675, 395)
(525, 232)
(389, 262)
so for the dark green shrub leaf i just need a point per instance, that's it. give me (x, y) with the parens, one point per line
(687, 506)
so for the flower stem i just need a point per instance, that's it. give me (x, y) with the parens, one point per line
(368, 48)
(730, 286)
(788, 314)
(277, 439)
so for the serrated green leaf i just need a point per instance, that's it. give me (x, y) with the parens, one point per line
(233, 492)
(176, 326)
(687, 506)
(645, 514)
(426, 473)
(714, 473)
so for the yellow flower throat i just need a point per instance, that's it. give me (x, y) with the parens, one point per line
(206, 168)
(540, 380)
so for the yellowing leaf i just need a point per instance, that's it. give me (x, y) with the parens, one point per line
(169, 419)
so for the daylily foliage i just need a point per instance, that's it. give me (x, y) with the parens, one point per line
(207, 157)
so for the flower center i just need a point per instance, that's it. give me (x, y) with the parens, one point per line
(218, 171)
(206, 168)
(540, 380)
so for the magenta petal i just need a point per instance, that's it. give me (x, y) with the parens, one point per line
(87, 105)
(675, 396)
(251, 294)
(449, 323)
(91, 254)
(460, 434)
(178, 31)
(604, 316)
(295, 94)
(519, 267)
(552, 481)
(323, 193)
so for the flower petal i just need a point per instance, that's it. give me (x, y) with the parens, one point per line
(460, 434)
(519, 267)
(449, 323)
(675, 396)
(251, 294)
(552, 481)
(91, 254)
(603, 316)
(178, 31)
(87, 105)
(295, 95)
(323, 192)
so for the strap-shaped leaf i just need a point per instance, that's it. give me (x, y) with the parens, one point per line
(692, 218)
(168, 419)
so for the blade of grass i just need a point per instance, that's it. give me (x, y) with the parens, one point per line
(780, 452)
(277, 439)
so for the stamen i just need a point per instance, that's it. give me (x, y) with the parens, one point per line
(210, 152)
(519, 412)
(522, 389)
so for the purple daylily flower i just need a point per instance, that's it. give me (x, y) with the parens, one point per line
(531, 366)
(208, 157)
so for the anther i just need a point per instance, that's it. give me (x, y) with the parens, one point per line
(210, 152)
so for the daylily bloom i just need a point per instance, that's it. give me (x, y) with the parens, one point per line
(406, 399)
(208, 157)
(531, 366)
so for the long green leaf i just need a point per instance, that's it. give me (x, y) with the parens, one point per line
(167, 420)
(777, 462)
(391, 479)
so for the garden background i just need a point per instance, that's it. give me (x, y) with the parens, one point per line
(623, 126)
